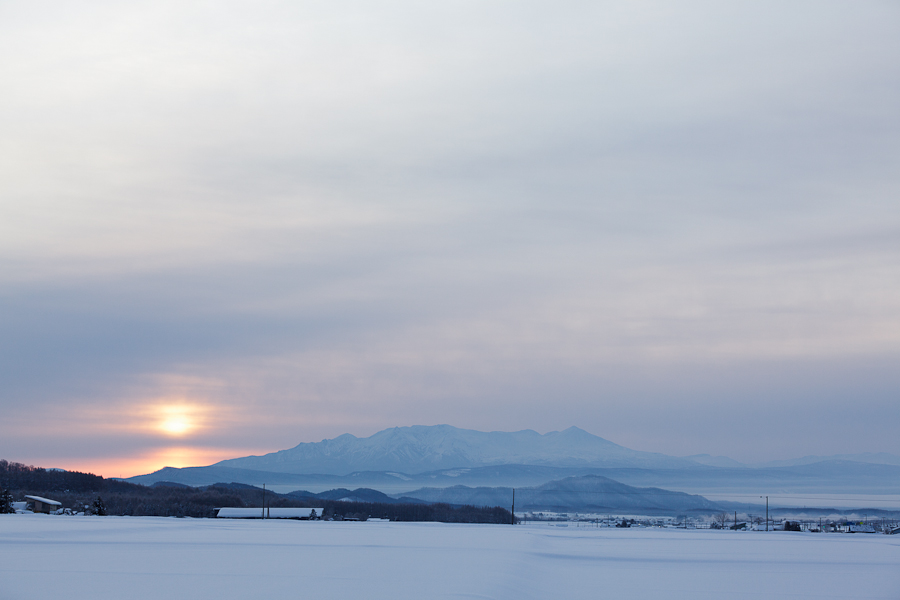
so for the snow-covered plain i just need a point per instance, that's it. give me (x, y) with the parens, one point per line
(61, 557)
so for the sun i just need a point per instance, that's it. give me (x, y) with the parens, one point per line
(176, 421)
(175, 426)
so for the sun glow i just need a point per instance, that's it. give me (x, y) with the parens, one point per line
(177, 421)
(175, 426)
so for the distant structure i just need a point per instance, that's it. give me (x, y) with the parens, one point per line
(271, 513)
(43, 505)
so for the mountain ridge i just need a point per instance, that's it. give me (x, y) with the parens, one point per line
(421, 448)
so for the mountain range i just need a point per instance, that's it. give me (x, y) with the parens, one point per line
(419, 448)
(404, 459)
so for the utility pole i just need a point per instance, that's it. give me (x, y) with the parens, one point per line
(513, 519)
(264, 502)
(735, 520)
(767, 512)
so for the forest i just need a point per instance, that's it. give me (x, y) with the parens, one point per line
(86, 492)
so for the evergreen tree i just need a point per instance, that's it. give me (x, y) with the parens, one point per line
(99, 507)
(6, 500)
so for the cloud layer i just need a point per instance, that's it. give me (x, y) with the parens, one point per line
(674, 226)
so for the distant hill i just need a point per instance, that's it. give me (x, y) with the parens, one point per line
(872, 458)
(419, 448)
(589, 493)
(357, 495)
(209, 475)
(715, 461)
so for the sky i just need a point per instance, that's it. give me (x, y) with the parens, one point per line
(230, 227)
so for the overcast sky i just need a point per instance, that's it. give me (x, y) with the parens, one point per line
(231, 227)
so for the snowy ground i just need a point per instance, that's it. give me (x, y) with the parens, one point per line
(59, 557)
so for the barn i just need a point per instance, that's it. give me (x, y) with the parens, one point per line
(43, 505)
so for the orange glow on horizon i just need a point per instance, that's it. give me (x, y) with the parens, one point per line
(140, 436)
(150, 461)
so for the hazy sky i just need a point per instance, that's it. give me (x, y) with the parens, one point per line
(230, 227)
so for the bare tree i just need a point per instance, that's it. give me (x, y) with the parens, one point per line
(720, 519)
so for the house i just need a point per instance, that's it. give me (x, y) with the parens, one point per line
(790, 526)
(43, 505)
(270, 513)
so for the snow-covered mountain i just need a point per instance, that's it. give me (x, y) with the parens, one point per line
(426, 448)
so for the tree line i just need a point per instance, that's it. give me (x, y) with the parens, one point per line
(86, 492)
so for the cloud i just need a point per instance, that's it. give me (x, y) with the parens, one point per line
(351, 215)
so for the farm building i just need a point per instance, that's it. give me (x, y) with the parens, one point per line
(270, 513)
(43, 505)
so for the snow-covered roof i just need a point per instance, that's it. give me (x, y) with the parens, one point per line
(44, 500)
(273, 513)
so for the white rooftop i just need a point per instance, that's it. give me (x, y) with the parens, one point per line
(44, 500)
(271, 513)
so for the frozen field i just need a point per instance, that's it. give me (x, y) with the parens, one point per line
(73, 558)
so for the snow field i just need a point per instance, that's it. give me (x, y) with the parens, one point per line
(50, 557)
